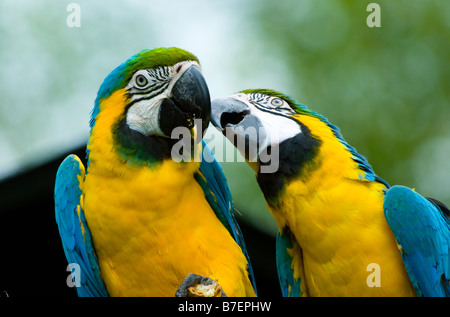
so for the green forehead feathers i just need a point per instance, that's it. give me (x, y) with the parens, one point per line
(146, 59)
(297, 107)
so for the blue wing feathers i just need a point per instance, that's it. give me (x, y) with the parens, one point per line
(218, 195)
(423, 232)
(290, 287)
(77, 248)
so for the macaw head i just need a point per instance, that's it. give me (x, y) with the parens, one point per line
(258, 121)
(141, 102)
(283, 140)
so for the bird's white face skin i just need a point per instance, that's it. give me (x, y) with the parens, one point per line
(148, 88)
(274, 114)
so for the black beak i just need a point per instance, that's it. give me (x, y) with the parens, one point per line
(190, 100)
(230, 112)
(232, 117)
(227, 111)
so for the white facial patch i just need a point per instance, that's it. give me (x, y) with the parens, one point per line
(143, 116)
(147, 89)
(277, 126)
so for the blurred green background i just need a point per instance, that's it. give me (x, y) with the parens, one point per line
(387, 88)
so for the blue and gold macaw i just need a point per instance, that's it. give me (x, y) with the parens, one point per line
(338, 221)
(136, 221)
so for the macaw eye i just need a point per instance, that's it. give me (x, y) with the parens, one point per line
(277, 102)
(141, 81)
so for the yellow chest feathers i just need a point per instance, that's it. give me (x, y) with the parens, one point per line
(152, 228)
(338, 223)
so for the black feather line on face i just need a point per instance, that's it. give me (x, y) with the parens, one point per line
(151, 94)
(284, 112)
(296, 161)
(139, 149)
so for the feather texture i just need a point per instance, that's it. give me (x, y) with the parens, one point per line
(290, 286)
(76, 239)
(423, 233)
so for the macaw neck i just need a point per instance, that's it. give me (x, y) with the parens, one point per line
(121, 152)
(104, 155)
(297, 156)
(318, 150)
(115, 148)
(331, 190)
(140, 149)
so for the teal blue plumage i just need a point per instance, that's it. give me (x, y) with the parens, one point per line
(78, 249)
(290, 287)
(423, 232)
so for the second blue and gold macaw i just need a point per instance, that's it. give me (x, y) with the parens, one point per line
(136, 221)
(337, 219)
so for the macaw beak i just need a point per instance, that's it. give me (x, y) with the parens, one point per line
(189, 100)
(245, 130)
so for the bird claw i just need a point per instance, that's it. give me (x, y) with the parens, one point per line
(195, 285)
